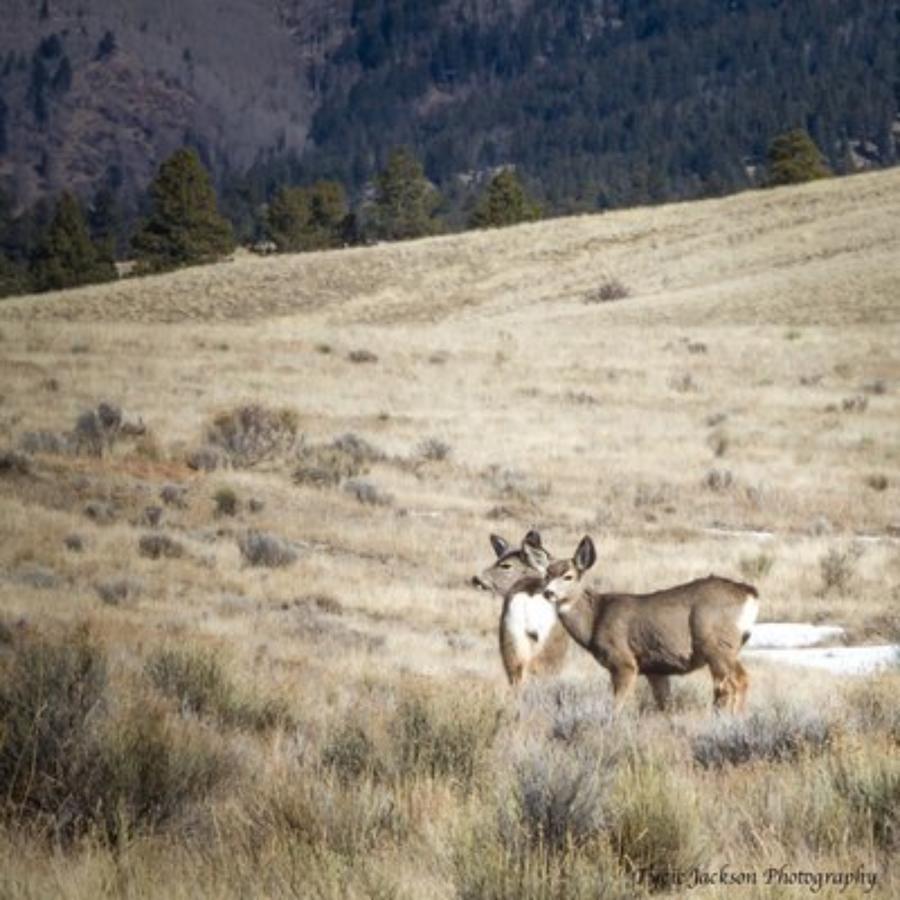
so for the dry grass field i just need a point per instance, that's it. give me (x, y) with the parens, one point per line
(239, 652)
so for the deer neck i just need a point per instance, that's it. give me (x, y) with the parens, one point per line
(577, 617)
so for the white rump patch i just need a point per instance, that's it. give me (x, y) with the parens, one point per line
(530, 614)
(749, 612)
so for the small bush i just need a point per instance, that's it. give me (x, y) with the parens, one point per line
(877, 482)
(100, 512)
(608, 290)
(560, 797)
(173, 495)
(869, 783)
(226, 502)
(351, 753)
(96, 431)
(367, 493)
(837, 568)
(434, 450)
(261, 549)
(197, 680)
(856, 404)
(74, 543)
(251, 434)
(72, 762)
(48, 442)
(776, 734)
(446, 738)
(362, 356)
(12, 463)
(117, 591)
(754, 568)
(326, 465)
(204, 459)
(160, 546)
(683, 384)
(152, 516)
(718, 480)
(656, 825)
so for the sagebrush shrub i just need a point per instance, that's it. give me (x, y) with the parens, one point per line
(250, 434)
(775, 734)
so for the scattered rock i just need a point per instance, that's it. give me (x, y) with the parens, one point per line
(255, 505)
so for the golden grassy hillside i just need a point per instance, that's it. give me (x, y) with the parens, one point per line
(737, 412)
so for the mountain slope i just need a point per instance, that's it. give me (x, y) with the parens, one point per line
(598, 102)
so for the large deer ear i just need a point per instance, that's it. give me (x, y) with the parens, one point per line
(535, 556)
(500, 546)
(533, 537)
(585, 554)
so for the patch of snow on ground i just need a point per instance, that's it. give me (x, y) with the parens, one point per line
(791, 634)
(837, 660)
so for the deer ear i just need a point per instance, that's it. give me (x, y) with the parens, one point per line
(535, 556)
(533, 537)
(500, 546)
(585, 555)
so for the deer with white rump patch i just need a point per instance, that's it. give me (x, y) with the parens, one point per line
(669, 632)
(532, 639)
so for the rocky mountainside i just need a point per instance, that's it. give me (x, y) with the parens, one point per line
(95, 90)
(597, 102)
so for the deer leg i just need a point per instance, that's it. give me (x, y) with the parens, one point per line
(662, 690)
(741, 681)
(623, 679)
(723, 685)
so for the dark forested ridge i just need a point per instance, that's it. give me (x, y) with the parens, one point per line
(609, 102)
(597, 103)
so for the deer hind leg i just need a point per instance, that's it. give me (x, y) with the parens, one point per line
(662, 691)
(724, 684)
(741, 683)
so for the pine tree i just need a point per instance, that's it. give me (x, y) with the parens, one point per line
(504, 202)
(310, 218)
(184, 227)
(794, 158)
(405, 200)
(66, 257)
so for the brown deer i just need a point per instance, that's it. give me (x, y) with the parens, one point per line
(532, 639)
(670, 632)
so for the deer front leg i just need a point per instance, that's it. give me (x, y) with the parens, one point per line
(623, 679)
(662, 690)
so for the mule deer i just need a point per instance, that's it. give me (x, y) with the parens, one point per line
(532, 639)
(669, 632)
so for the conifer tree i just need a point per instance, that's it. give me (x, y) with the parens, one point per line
(794, 158)
(405, 200)
(504, 202)
(66, 256)
(184, 227)
(308, 218)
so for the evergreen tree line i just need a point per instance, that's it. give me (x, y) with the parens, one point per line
(43, 250)
(608, 103)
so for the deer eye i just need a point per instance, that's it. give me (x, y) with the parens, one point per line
(568, 577)
(505, 565)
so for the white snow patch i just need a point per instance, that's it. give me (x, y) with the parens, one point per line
(837, 660)
(791, 634)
